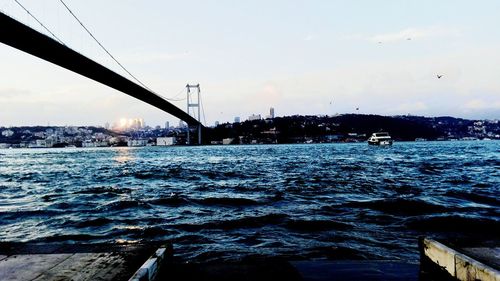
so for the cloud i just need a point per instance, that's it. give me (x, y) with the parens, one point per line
(480, 109)
(309, 37)
(143, 58)
(269, 93)
(479, 104)
(412, 107)
(6, 94)
(415, 34)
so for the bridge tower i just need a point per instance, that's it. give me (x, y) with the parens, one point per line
(193, 104)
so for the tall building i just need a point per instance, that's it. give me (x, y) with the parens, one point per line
(236, 119)
(167, 125)
(271, 113)
(182, 124)
(216, 123)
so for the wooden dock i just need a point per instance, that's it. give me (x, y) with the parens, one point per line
(25, 262)
(461, 261)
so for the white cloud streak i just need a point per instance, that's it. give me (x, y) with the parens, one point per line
(480, 104)
(415, 34)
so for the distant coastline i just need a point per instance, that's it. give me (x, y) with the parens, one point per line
(278, 130)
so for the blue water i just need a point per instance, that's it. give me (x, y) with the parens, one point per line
(227, 202)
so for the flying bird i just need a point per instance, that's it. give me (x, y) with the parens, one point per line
(439, 76)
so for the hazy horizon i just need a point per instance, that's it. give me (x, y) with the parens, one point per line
(299, 57)
(176, 123)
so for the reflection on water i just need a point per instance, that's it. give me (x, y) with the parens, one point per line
(224, 202)
(123, 155)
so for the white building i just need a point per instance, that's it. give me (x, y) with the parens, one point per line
(38, 144)
(271, 113)
(139, 142)
(165, 141)
(7, 133)
(101, 144)
(88, 143)
(254, 117)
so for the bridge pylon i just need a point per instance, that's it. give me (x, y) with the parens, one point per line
(193, 101)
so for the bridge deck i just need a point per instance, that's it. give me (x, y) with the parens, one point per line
(26, 39)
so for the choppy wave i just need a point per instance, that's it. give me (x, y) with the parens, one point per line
(332, 201)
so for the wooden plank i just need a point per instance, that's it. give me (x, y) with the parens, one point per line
(80, 266)
(461, 264)
(489, 256)
(469, 269)
(151, 268)
(53, 261)
(109, 267)
(440, 254)
(28, 267)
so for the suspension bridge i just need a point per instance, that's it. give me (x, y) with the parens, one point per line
(22, 37)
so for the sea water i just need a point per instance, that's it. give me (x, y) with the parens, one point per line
(314, 201)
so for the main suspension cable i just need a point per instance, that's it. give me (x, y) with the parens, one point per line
(46, 28)
(203, 111)
(121, 65)
(99, 43)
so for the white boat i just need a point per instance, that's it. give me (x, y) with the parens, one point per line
(380, 138)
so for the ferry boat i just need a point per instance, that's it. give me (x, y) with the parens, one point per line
(380, 138)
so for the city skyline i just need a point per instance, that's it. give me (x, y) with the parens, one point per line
(322, 57)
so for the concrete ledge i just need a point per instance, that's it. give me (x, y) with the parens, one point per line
(458, 265)
(469, 269)
(149, 270)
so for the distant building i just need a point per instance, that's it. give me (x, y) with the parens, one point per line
(137, 123)
(271, 113)
(236, 119)
(166, 141)
(216, 123)
(182, 124)
(88, 143)
(101, 144)
(167, 125)
(38, 144)
(7, 133)
(254, 117)
(138, 142)
(227, 141)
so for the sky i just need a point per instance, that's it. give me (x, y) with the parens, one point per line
(299, 57)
